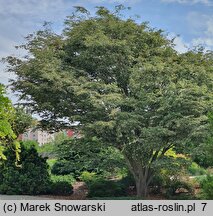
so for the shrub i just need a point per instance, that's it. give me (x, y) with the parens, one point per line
(66, 178)
(62, 188)
(88, 177)
(103, 188)
(195, 169)
(128, 180)
(30, 143)
(78, 155)
(207, 187)
(31, 177)
(51, 162)
(47, 150)
(99, 187)
(177, 188)
(64, 167)
(157, 183)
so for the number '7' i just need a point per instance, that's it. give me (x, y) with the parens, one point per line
(204, 206)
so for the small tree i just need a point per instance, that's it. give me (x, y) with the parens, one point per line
(22, 121)
(31, 177)
(122, 81)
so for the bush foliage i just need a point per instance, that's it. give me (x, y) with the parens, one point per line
(207, 187)
(30, 177)
(103, 188)
(79, 155)
(62, 188)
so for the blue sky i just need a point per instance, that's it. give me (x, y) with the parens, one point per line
(191, 19)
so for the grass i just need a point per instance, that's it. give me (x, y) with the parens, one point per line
(51, 162)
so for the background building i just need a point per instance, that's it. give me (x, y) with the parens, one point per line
(43, 137)
(38, 135)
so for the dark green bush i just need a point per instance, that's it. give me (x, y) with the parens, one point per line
(99, 187)
(176, 188)
(103, 188)
(207, 187)
(157, 184)
(31, 177)
(78, 155)
(62, 188)
(64, 167)
(128, 181)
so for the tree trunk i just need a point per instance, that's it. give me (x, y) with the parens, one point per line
(142, 186)
(142, 175)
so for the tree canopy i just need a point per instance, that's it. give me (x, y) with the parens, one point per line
(202, 154)
(122, 81)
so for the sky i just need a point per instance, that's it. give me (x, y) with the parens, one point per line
(190, 20)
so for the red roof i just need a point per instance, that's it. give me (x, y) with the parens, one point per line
(70, 133)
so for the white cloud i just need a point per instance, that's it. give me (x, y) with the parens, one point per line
(209, 24)
(19, 18)
(206, 2)
(180, 45)
(201, 25)
(205, 41)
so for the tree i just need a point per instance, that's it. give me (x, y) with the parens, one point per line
(31, 177)
(7, 135)
(22, 121)
(122, 81)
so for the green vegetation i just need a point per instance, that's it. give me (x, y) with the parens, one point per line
(196, 170)
(78, 155)
(100, 187)
(207, 187)
(22, 121)
(29, 177)
(47, 150)
(105, 188)
(138, 103)
(13, 121)
(63, 178)
(51, 162)
(203, 153)
(7, 135)
(176, 188)
(62, 188)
